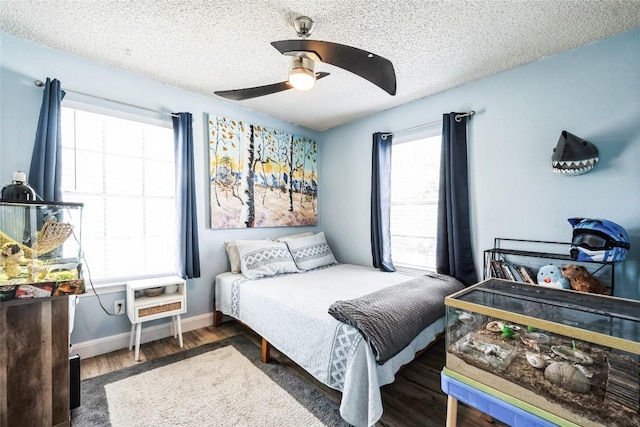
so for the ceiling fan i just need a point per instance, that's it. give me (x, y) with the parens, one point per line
(305, 53)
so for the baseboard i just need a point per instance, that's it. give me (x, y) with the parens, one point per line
(111, 343)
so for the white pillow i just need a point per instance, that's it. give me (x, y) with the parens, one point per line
(294, 236)
(311, 252)
(264, 258)
(233, 256)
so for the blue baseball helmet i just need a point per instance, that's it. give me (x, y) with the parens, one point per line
(598, 240)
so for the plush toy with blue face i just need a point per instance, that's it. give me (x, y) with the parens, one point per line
(551, 276)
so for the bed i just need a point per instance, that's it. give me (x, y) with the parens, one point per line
(289, 310)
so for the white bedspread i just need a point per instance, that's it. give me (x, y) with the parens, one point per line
(290, 312)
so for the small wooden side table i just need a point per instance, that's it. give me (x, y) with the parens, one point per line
(142, 308)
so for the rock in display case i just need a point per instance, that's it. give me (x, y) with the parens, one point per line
(40, 250)
(570, 355)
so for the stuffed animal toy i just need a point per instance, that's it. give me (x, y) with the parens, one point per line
(581, 280)
(551, 277)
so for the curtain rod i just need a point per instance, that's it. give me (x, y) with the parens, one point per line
(39, 83)
(458, 117)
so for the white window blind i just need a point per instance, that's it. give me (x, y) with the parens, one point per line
(415, 177)
(123, 172)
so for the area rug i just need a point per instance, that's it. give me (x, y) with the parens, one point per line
(218, 384)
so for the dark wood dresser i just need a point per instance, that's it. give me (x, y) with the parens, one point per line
(34, 362)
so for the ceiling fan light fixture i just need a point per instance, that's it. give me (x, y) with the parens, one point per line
(302, 75)
(302, 79)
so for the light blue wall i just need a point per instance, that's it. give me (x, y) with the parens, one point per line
(23, 62)
(592, 91)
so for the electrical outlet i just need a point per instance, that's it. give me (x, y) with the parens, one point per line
(118, 307)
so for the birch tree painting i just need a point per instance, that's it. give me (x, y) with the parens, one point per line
(260, 177)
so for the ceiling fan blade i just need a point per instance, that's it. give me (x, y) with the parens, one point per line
(376, 69)
(254, 92)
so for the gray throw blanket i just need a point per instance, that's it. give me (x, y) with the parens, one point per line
(390, 318)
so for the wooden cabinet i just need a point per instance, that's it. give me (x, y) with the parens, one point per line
(34, 362)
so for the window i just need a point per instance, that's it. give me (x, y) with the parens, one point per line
(415, 177)
(123, 172)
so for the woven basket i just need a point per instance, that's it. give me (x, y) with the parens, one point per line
(160, 309)
(51, 235)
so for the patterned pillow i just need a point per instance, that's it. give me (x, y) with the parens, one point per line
(264, 258)
(233, 255)
(311, 252)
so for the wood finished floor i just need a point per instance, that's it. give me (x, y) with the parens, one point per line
(414, 399)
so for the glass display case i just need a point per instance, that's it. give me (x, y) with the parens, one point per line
(571, 354)
(40, 250)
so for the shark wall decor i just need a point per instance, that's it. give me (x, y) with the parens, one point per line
(573, 155)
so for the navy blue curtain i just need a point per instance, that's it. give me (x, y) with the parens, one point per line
(454, 255)
(381, 202)
(45, 172)
(188, 262)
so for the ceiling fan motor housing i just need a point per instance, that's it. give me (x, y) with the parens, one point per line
(303, 26)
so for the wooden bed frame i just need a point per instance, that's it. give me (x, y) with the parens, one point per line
(266, 347)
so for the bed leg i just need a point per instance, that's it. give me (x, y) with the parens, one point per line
(266, 351)
(217, 315)
(217, 318)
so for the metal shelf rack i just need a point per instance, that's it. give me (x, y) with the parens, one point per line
(527, 252)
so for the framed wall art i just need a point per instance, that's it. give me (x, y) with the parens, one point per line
(260, 177)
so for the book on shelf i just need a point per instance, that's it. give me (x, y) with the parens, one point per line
(514, 272)
(492, 269)
(508, 271)
(496, 270)
(526, 275)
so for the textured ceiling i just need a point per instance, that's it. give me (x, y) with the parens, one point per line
(206, 46)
